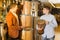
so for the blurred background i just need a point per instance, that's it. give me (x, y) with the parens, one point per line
(34, 9)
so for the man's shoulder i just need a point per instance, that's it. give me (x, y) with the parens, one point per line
(9, 15)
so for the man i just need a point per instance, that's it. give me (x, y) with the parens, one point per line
(12, 20)
(50, 24)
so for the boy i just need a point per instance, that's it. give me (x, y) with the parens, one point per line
(50, 24)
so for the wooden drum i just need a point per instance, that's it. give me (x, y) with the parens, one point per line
(41, 26)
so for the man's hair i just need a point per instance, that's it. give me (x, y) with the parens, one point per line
(13, 5)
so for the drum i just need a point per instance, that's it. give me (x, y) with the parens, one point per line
(41, 25)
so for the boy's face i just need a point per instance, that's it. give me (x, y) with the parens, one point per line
(45, 11)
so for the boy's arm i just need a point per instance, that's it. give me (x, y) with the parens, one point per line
(54, 22)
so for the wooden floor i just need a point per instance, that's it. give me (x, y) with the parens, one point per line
(57, 33)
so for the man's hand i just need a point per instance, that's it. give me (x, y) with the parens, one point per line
(20, 27)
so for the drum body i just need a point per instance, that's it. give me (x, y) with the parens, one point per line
(41, 25)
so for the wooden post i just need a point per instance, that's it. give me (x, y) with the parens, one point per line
(26, 19)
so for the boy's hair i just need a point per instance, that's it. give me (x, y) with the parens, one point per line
(47, 7)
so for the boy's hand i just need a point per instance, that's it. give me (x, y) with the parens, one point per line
(40, 28)
(46, 22)
(22, 27)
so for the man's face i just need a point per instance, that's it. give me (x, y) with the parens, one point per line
(45, 10)
(15, 8)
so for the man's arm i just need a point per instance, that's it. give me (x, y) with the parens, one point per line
(10, 23)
